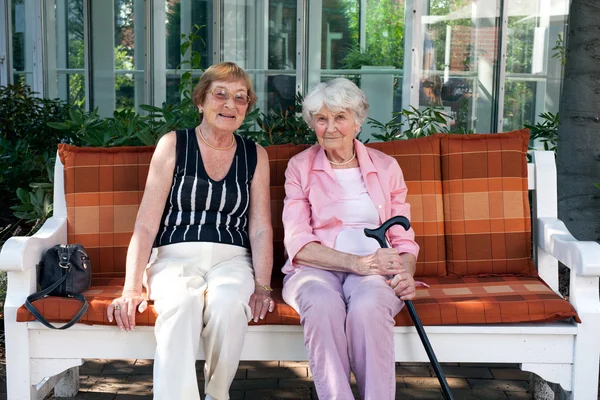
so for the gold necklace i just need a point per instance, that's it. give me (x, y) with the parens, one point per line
(339, 164)
(215, 147)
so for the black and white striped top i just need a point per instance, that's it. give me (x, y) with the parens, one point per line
(201, 209)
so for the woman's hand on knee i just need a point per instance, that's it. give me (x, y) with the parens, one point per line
(403, 285)
(261, 303)
(123, 309)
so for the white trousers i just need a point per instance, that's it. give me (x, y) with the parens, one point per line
(200, 292)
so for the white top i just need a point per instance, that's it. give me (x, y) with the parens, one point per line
(357, 211)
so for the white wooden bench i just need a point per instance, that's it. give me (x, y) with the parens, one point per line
(561, 351)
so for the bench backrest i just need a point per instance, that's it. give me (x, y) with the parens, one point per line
(468, 197)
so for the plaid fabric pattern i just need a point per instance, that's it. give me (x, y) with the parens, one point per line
(486, 204)
(448, 301)
(419, 160)
(103, 188)
(470, 211)
(279, 156)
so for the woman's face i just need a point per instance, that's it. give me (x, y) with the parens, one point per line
(335, 130)
(225, 105)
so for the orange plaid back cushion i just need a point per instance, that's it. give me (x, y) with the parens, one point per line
(486, 204)
(419, 160)
(279, 155)
(103, 190)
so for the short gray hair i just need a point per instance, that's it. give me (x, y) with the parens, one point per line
(338, 94)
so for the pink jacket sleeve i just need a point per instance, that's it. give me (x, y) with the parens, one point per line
(296, 213)
(403, 241)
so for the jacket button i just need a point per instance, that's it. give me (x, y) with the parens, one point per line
(380, 206)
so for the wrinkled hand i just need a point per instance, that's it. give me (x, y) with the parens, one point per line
(403, 285)
(385, 261)
(261, 303)
(123, 309)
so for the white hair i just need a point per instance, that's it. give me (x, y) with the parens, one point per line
(337, 95)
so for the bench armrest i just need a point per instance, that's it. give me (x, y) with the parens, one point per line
(21, 253)
(556, 240)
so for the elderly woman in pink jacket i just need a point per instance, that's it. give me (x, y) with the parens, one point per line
(346, 289)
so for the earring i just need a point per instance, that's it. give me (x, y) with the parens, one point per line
(200, 111)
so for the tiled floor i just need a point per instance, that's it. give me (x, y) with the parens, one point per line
(132, 380)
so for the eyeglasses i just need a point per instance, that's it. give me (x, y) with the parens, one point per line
(222, 94)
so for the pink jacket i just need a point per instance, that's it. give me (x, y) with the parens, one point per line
(311, 193)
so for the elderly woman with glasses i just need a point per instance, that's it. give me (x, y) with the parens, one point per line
(346, 289)
(202, 243)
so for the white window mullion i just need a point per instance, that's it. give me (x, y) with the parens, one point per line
(413, 55)
(139, 56)
(216, 29)
(313, 45)
(501, 66)
(301, 35)
(157, 53)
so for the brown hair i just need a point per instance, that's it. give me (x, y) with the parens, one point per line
(227, 72)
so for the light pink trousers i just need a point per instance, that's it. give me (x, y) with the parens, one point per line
(200, 292)
(348, 325)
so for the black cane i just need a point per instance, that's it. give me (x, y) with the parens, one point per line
(379, 235)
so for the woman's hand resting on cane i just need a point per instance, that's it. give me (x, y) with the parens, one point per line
(384, 261)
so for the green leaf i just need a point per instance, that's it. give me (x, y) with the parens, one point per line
(59, 125)
(22, 194)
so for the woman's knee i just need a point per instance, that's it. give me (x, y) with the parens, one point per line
(317, 303)
(377, 303)
(226, 305)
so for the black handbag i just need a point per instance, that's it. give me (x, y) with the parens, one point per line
(64, 271)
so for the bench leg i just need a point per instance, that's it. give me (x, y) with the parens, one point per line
(587, 345)
(18, 360)
(68, 386)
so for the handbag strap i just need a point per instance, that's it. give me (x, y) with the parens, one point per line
(42, 293)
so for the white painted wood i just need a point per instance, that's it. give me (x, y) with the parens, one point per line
(555, 239)
(547, 343)
(413, 59)
(545, 204)
(562, 352)
(584, 297)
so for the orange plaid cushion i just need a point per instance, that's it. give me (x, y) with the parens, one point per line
(486, 204)
(103, 189)
(448, 301)
(419, 160)
(279, 156)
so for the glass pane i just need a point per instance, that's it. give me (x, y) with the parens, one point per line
(281, 53)
(533, 62)
(362, 40)
(182, 18)
(129, 53)
(22, 48)
(261, 37)
(65, 51)
(460, 58)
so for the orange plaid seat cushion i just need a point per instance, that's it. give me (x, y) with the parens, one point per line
(486, 204)
(448, 301)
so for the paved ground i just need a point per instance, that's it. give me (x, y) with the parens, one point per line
(274, 380)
